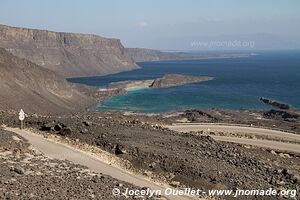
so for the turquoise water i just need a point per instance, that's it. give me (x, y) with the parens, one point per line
(238, 84)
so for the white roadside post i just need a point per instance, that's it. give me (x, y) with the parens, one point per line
(21, 118)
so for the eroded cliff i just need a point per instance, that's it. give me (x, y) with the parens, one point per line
(68, 54)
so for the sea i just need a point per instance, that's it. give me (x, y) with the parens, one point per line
(238, 84)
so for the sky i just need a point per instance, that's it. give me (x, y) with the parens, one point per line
(166, 24)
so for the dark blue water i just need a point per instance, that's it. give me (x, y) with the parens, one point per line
(238, 83)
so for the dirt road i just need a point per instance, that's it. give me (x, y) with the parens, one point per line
(61, 151)
(246, 130)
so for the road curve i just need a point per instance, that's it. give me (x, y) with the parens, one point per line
(184, 127)
(64, 152)
(288, 147)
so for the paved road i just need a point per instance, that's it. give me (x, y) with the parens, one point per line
(245, 130)
(61, 151)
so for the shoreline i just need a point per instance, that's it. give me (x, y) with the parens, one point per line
(167, 81)
(123, 109)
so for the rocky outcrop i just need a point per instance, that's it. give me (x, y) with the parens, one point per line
(196, 115)
(282, 114)
(26, 85)
(275, 103)
(141, 54)
(172, 80)
(68, 54)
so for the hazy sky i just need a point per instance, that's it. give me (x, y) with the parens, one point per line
(162, 24)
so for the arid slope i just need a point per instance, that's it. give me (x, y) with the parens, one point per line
(26, 85)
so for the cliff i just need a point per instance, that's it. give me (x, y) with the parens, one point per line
(141, 55)
(26, 85)
(68, 54)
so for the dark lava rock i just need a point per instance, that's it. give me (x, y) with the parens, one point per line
(194, 115)
(18, 170)
(118, 150)
(65, 131)
(86, 123)
(275, 103)
(57, 127)
(46, 127)
(281, 114)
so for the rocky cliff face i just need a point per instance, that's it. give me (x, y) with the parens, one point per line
(26, 85)
(68, 54)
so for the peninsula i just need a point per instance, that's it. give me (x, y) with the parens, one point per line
(167, 81)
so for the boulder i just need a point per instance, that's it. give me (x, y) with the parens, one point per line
(86, 123)
(65, 131)
(46, 127)
(118, 150)
(18, 170)
(58, 127)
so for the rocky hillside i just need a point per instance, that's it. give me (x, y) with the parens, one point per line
(172, 80)
(140, 55)
(26, 85)
(28, 174)
(69, 54)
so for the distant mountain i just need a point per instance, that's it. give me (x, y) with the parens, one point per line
(26, 85)
(68, 54)
(223, 42)
(141, 54)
